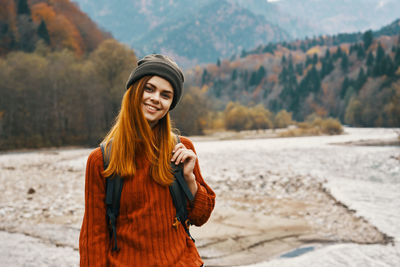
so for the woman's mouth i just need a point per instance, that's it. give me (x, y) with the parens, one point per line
(151, 108)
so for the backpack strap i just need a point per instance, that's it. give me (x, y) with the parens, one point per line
(113, 196)
(180, 193)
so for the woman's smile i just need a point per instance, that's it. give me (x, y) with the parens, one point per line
(151, 108)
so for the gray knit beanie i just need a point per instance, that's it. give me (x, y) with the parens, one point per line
(162, 66)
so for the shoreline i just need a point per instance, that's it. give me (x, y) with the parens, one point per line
(261, 214)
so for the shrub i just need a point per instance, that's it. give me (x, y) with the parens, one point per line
(331, 126)
(283, 119)
(238, 117)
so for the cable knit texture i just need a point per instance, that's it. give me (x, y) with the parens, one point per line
(145, 234)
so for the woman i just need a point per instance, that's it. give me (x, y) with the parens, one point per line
(143, 147)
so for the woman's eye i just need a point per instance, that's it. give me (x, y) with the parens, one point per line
(166, 96)
(148, 89)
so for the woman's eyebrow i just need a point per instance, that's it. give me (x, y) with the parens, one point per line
(151, 85)
(167, 91)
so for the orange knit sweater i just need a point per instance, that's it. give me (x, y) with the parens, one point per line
(145, 234)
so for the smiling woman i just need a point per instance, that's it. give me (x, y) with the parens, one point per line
(142, 150)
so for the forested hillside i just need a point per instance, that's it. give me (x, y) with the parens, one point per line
(61, 78)
(58, 24)
(353, 77)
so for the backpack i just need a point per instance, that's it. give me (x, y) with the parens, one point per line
(179, 191)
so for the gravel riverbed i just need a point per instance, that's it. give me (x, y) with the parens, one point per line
(274, 196)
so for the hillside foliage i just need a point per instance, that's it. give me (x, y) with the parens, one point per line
(52, 98)
(59, 24)
(354, 78)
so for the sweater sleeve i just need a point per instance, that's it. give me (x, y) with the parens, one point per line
(94, 238)
(204, 200)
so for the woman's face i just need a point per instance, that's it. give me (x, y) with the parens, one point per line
(157, 98)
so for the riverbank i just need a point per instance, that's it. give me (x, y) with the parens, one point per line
(269, 200)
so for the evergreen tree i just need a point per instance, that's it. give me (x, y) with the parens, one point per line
(327, 54)
(204, 77)
(253, 79)
(311, 83)
(43, 33)
(380, 53)
(234, 75)
(346, 83)
(397, 57)
(308, 61)
(380, 62)
(315, 80)
(303, 47)
(360, 52)
(315, 59)
(261, 72)
(361, 79)
(23, 8)
(283, 76)
(283, 61)
(338, 53)
(257, 76)
(218, 63)
(390, 68)
(345, 62)
(327, 67)
(370, 59)
(299, 68)
(291, 77)
(367, 39)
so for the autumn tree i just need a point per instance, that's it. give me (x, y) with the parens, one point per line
(283, 119)
(190, 116)
(353, 115)
(391, 110)
(259, 118)
(112, 63)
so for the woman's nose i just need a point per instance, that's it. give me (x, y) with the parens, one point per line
(155, 97)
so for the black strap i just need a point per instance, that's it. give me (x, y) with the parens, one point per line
(178, 173)
(113, 196)
(180, 193)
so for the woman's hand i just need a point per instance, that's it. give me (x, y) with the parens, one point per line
(182, 155)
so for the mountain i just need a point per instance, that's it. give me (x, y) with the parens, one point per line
(185, 29)
(297, 27)
(218, 29)
(192, 31)
(59, 24)
(342, 16)
(391, 29)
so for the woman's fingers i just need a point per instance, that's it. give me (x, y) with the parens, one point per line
(181, 154)
(175, 151)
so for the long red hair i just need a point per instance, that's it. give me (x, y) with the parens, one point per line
(132, 134)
